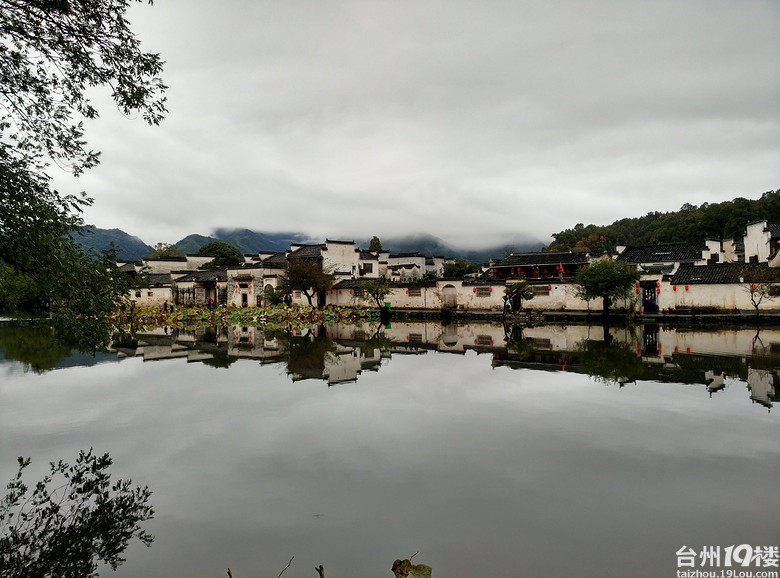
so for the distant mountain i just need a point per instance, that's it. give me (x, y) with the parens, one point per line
(251, 242)
(190, 244)
(130, 248)
(433, 246)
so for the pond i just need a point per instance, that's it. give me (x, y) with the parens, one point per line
(490, 450)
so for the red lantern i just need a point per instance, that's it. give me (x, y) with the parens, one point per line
(686, 287)
(674, 287)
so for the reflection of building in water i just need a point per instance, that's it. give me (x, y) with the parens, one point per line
(164, 343)
(255, 343)
(339, 353)
(714, 382)
(652, 353)
(761, 384)
(563, 337)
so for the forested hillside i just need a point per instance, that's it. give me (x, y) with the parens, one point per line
(691, 224)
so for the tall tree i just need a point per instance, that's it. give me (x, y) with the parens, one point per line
(375, 290)
(52, 52)
(225, 254)
(375, 245)
(165, 251)
(307, 276)
(519, 292)
(460, 268)
(608, 279)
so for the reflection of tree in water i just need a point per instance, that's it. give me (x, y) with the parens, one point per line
(36, 347)
(378, 340)
(517, 343)
(307, 353)
(613, 362)
(73, 519)
(220, 358)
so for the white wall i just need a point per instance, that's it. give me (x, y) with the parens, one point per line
(341, 257)
(151, 297)
(164, 266)
(757, 241)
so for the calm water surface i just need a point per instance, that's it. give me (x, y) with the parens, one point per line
(492, 451)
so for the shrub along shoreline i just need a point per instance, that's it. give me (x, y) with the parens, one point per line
(271, 316)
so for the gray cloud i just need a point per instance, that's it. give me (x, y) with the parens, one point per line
(473, 122)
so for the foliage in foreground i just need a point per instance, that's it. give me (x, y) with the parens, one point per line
(53, 54)
(74, 518)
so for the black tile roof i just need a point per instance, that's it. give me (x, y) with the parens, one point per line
(351, 283)
(205, 275)
(307, 252)
(724, 273)
(247, 266)
(543, 258)
(159, 279)
(276, 261)
(667, 253)
(338, 242)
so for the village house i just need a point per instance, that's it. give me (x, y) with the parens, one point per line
(673, 276)
(761, 241)
(656, 261)
(539, 267)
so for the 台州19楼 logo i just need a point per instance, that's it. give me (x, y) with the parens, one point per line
(728, 562)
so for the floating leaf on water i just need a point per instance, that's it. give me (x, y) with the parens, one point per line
(401, 568)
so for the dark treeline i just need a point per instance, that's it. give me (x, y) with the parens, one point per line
(691, 224)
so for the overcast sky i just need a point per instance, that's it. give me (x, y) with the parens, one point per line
(477, 122)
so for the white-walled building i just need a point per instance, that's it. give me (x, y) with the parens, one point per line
(761, 241)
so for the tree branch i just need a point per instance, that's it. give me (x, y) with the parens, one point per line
(285, 568)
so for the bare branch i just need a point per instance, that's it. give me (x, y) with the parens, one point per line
(285, 568)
